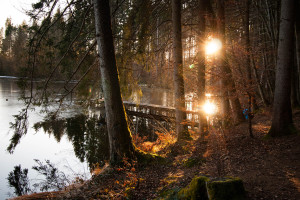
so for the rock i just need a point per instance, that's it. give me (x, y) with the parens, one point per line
(195, 190)
(204, 188)
(229, 188)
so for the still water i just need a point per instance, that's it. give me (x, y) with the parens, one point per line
(34, 145)
(72, 143)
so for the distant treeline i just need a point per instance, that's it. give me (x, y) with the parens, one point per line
(13, 48)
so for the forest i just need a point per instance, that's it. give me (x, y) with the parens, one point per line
(229, 131)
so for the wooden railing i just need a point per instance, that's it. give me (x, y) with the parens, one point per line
(160, 113)
(157, 112)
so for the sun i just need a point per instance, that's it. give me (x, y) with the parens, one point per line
(213, 46)
(209, 108)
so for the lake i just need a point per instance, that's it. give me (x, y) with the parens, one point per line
(34, 145)
(71, 143)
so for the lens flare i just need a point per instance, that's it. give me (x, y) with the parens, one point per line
(213, 46)
(209, 108)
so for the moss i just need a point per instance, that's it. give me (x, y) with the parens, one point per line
(149, 158)
(203, 188)
(195, 190)
(230, 188)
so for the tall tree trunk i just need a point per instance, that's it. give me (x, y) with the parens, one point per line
(259, 86)
(120, 140)
(237, 111)
(224, 104)
(201, 64)
(295, 84)
(297, 32)
(282, 122)
(248, 67)
(180, 114)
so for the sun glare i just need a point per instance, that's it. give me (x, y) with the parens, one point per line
(209, 108)
(213, 46)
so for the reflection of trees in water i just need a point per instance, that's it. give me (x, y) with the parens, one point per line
(88, 136)
(148, 127)
(53, 126)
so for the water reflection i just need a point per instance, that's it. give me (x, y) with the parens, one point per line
(34, 145)
(84, 136)
(87, 134)
(89, 137)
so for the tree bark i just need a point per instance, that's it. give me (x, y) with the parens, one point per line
(224, 104)
(201, 64)
(295, 84)
(248, 67)
(237, 111)
(282, 122)
(259, 86)
(180, 114)
(120, 140)
(297, 33)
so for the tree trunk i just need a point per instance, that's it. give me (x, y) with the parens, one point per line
(259, 86)
(282, 122)
(237, 111)
(248, 67)
(201, 65)
(224, 104)
(180, 114)
(120, 140)
(297, 32)
(295, 84)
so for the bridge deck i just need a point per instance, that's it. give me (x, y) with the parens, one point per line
(157, 112)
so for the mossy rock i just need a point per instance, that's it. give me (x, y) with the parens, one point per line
(228, 188)
(203, 188)
(195, 190)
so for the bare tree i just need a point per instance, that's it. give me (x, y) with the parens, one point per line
(282, 122)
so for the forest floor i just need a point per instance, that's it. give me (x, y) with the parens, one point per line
(269, 168)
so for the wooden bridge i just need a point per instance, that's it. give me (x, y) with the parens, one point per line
(157, 112)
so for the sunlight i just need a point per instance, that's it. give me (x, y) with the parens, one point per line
(209, 108)
(213, 46)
